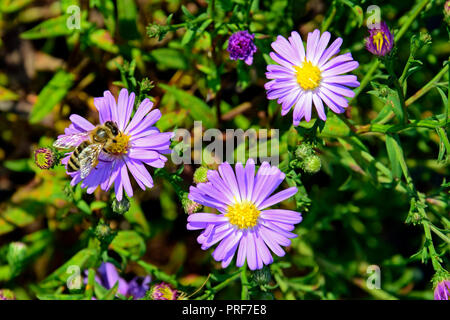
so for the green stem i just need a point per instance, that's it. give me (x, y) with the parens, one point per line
(430, 245)
(431, 84)
(244, 283)
(330, 18)
(153, 270)
(390, 69)
(414, 13)
(366, 79)
(219, 287)
(439, 233)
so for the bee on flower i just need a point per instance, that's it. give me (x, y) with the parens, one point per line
(104, 155)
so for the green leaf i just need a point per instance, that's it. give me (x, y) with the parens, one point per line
(7, 95)
(111, 293)
(392, 146)
(197, 108)
(334, 127)
(136, 216)
(84, 259)
(8, 6)
(127, 15)
(171, 119)
(54, 27)
(129, 243)
(51, 95)
(188, 36)
(19, 165)
(106, 7)
(167, 58)
(15, 217)
(102, 39)
(59, 296)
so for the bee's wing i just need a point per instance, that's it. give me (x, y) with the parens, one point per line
(71, 141)
(89, 158)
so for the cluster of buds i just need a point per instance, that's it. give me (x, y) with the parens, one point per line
(306, 159)
(157, 31)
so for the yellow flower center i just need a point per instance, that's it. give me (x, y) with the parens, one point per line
(120, 145)
(378, 40)
(308, 76)
(243, 214)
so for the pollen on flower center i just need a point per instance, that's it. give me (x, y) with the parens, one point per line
(243, 214)
(308, 76)
(120, 145)
(378, 39)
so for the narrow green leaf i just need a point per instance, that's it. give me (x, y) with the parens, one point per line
(167, 58)
(51, 95)
(60, 296)
(54, 27)
(391, 147)
(127, 15)
(197, 108)
(7, 95)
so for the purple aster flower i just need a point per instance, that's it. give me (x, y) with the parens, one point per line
(245, 224)
(138, 143)
(380, 40)
(312, 76)
(108, 276)
(442, 290)
(241, 46)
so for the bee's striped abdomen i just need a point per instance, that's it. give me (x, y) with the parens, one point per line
(73, 164)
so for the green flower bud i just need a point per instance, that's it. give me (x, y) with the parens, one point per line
(102, 231)
(304, 150)
(201, 175)
(157, 31)
(6, 294)
(262, 276)
(190, 206)
(17, 252)
(312, 164)
(122, 206)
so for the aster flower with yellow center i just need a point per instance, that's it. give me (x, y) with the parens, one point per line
(315, 76)
(380, 40)
(138, 144)
(245, 227)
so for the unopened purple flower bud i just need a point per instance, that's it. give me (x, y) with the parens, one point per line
(45, 158)
(380, 40)
(162, 291)
(442, 290)
(241, 46)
